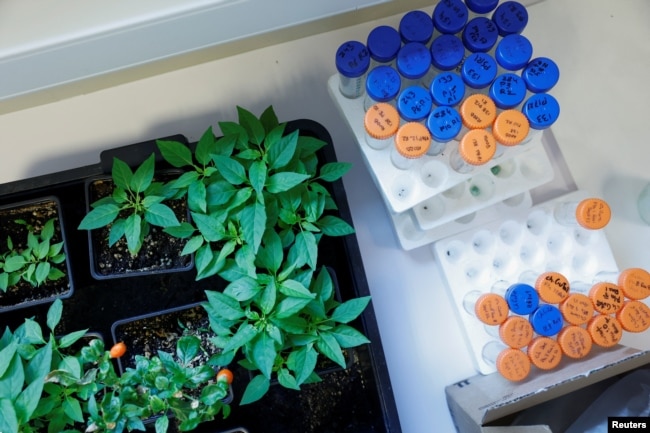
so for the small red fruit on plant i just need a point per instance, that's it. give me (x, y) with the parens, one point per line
(225, 375)
(118, 350)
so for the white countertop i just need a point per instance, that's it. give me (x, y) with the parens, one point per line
(603, 50)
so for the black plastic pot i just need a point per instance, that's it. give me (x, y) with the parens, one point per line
(161, 252)
(35, 213)
(358, 399)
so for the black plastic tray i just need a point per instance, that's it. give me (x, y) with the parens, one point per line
(358, 399)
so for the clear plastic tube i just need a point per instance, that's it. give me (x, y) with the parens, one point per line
(383, 44)
(416, 26)
(413, 63)
(352, 63)
(510, 17)
(450, 16)
(445, 124)
(382, 85)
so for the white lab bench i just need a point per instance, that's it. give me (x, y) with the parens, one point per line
(603, 50)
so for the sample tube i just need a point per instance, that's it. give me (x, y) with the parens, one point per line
(510, 17)
(607, 297)
(577, 309)
(414, 104)
(447, 88)
(635, 282)
(510, 128)
(552, 287)
(481, 7)
(412, 141)
(522, 298)
(513, 53)
(475, 148)
(383, 44)
(480, 35)
(413, 63)
(546, 320)
(381, 122)
(512, 364)
(352, 63)
(575, 341)
(416, 26)
(508, 91)
(516, 332)
(542, 110)
(541, 74)
(382, 85)
(447, 53)
(444, 123)
(634, 316)
(489, 308)
(478, 72)
(545, 353)
(606, 331)
(450, 16)
(590, 213)
(477, 111)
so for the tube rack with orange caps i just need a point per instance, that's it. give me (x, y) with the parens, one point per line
(529, 242)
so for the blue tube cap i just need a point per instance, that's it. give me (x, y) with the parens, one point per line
(508, 91)
(447, 52)
(414, 103)
(383, 83)
(510, 17)
(416, 26)
(352, 59)
(513, 52)
(541, 74)
(450, 16)
(383, 43)
(546, 320)
(541, 110)
(479, 70)
(481, 6)
(522, 298)
(444, 123)
(447, 88)
(413, 60)
(480, 35)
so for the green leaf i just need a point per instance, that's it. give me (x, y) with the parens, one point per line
(334, 226)
(72, 409)
(6, 356)
(257, 173)
(348, 336)
(332, 171)
(54, 314)
(284, 181)
(256, 388)
(182, 231)
(226, 306)
(121, 174)
(309, 145)
(15, 263)
(303, 362)
(253, 126)
(42, 271)
(306, 242)
(253, 223)
(161, 215)
(295, 289)
(219, 193)
(48, 230)
(290, 306)
(286, 379)
(187, 348)
(143, 175)
(162, 424)
(210, 226)
(132, 232)
(268, 297)
(99, 217)
(206, 147)
(32, 333)
(27, 401)
(244, 334)
(264, 353)
(269, 119)
(8, 419)
(230, 169)
(192, 245)
(11, 383)
(281, 151)
(71, 338)
(197, 197)
(328, 346)
(116, 231)
(350, 309)
(175, 153)
(243, 289)
(270, 255)
(323, 285)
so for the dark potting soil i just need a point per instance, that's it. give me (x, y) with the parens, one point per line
(36, 215)
(159, 251)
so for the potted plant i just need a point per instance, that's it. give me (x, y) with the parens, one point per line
(33, 254)
(128, 211)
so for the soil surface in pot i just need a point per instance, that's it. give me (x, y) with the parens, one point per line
(36, 215)
(159, 251)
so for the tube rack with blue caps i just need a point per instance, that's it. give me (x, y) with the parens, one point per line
(443, 59)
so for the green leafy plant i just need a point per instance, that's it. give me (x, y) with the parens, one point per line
(136, 202)
(253, 178)
(43, 387)
(35, 263)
